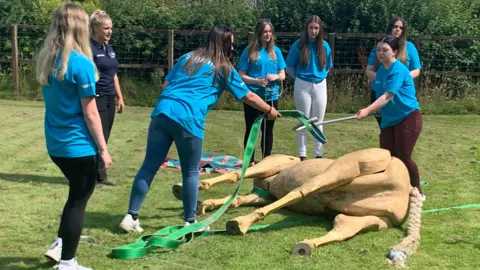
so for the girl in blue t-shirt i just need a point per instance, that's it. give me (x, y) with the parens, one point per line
(191, 88)
(262, 67)
(407, 54)
(309, 61)
(401, 119)
(73, 129)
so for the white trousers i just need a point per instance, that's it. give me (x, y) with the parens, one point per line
(311, 99)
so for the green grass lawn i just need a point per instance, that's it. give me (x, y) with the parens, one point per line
(33, 192)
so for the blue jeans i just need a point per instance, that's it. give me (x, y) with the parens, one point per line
(162, 132)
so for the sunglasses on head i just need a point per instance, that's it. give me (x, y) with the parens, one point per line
(261, 21)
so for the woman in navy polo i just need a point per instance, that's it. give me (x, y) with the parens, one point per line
(107, 86)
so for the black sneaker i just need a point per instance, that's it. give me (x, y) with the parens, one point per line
(303, 158)
(106, 183)
(319, 157)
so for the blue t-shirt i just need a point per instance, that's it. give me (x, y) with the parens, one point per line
(263, 66)
(66, 131)
(187, 99)
(412, 63)
(413, 59)
(398, 81)
(312, 72)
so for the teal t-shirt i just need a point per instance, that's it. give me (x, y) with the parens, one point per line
(66, 131)
(413, 59)
(188, 99)
(398, 81)
(260, 69)
(312, 72)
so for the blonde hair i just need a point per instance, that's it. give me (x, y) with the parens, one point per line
(97, 18)
(254, 47)
(69, 31)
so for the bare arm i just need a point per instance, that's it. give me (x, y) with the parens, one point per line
(249, 80)
(94, 124)
(121, 104)
(165, 83)
(282, 75)
(415, 73)
(375, 106)
(276, 77)
(371, 73)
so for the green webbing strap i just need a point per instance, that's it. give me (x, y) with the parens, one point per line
(313, 129)
(174, 236)
(263, 194)
(474, 205)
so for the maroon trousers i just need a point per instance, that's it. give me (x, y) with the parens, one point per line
(400, 141)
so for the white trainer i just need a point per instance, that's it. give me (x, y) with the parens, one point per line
(130, 225)
(204, 229)
(54, 253)
(424, 197)
(71, 265)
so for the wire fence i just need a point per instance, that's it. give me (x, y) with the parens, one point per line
(149, 53)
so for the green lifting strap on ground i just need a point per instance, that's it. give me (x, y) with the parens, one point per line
(173, 236)
(263, 194)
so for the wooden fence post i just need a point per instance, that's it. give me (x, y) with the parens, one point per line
(15, 68)
(170, 49)
(331, 42)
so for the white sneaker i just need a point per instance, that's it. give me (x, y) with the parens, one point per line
(71, 265)
(204, 229)
(130, 225)
(424, 197)
(54, 253)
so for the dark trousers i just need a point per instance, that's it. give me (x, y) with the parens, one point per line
(81, 174)
(400, 141)
(373, 97)
(250, 115)
(106, 109)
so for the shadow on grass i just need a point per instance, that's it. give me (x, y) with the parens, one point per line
(106, 221)
(101, 220)
(27, 178)
(460, 241)
(13, 263)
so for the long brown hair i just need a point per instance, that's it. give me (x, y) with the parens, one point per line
(303, 43)
(402, 42)
(256, 44)
(217, 50)
(69, 31)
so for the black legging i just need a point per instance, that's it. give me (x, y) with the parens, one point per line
(250, 115)
(106, 110)
(81, 174)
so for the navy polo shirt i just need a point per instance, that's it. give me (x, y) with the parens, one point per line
(104, 58)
